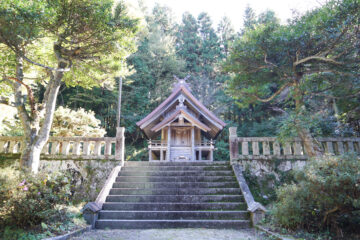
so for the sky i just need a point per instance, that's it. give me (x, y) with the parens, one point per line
(234, 9)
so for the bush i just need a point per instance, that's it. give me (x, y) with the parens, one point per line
(28, 200)
(326, 195)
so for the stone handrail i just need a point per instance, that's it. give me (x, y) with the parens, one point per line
(91, 210)
(73, 147)
(256, 210)
(270, 148)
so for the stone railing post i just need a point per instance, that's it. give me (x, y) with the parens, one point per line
(233, 142)
(2, 146)
(120, 145)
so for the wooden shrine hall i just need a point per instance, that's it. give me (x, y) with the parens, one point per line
(181, 128)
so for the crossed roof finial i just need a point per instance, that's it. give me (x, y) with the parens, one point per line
(182, 80)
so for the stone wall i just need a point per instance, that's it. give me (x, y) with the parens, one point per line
(263, 155)
(88, 159)
(88, 176)
(263, 167)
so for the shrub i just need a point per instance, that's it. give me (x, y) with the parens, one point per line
(68, 123)
(28, 200)
(326, 195)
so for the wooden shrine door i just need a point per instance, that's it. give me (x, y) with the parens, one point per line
(181, 144)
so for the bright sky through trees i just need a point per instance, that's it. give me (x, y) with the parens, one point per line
(234, 9)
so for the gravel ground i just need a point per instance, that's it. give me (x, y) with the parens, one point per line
(171, 234)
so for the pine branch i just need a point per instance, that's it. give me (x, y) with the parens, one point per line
(319, 58)
(274, 95)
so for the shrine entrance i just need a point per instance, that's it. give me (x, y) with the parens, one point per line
(183, 127)
(181, 144)
(181, 137)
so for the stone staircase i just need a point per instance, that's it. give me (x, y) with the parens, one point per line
(174, 195)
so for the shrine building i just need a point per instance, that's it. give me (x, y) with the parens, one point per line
(181, 128)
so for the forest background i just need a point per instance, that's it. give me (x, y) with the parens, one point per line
(197, 48)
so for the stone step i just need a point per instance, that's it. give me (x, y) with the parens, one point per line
(174, 191)
(196, 163)
(180, 206)
(175, 173)
(178, 168)
(151, 185)
(240, 215)
(174, 198)
(176, 179)
(149, 224)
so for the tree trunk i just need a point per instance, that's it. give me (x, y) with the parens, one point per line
(36, 134)
(312, 147)
(30, 157)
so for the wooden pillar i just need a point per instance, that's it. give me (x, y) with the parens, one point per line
(162, 136)
(193, 143)
(150, 152)
(168, 155)
(211, 150)
(162, 144)
(200, 153)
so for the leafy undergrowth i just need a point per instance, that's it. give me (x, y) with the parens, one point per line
(323, 202)
(301, 234)
(68, 219)
(36, 206)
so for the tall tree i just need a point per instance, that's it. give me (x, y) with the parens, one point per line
(226, 35)
(76, 39)
(249, 18)
(189, 43)
(199, 45)
(314, 54)
(155, 64)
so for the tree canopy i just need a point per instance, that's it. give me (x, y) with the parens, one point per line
(314, 55)
(267, 78)
(62, 41)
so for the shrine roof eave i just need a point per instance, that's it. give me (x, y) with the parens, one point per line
(171, 97)
(175, 115)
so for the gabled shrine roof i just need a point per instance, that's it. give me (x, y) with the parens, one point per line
(199, 114)
(175, 115)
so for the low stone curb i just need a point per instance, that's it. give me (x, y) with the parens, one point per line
(272, 234)
(71, 234)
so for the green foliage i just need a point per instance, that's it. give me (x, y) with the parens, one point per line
(10, 125)
(69, 123)
(28, 200)
(307, 63)
(137, 153)
(287, 127)
(326, 195)
(71, 42)
(222, 150)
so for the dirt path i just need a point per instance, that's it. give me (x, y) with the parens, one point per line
(171, 234)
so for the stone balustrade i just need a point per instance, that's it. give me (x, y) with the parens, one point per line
(270, 148)
(72, 147)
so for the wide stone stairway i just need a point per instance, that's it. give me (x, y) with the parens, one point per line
(174, 195)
